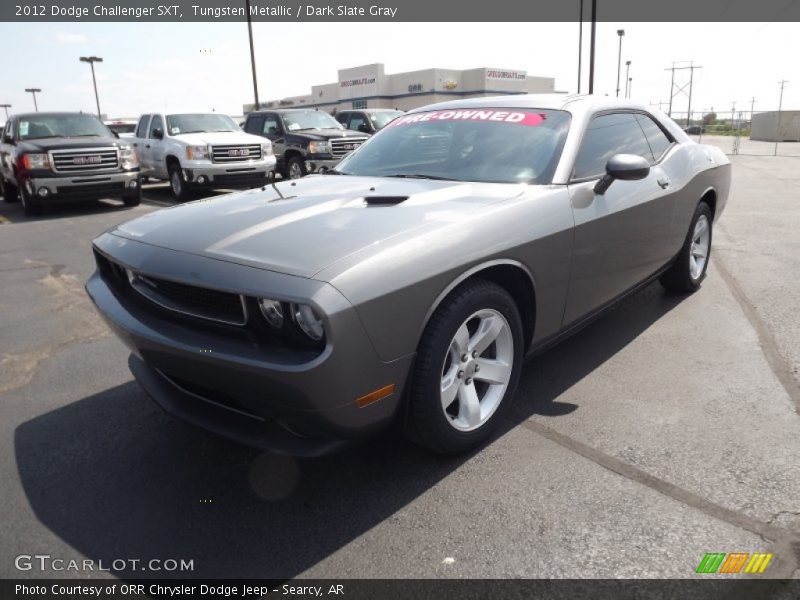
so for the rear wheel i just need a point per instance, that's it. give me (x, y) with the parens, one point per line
(8, 190)
(467, 369)
(689, 269)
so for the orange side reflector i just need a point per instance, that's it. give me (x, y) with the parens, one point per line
(375, 396)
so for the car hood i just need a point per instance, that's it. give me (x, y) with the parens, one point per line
(327, 134)
(302, 227)
(220, 137)
(61, 143)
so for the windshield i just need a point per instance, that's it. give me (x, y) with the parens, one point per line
(178, 124)
(485, 145)
(44, 126)
(310, 119)
(382, 119)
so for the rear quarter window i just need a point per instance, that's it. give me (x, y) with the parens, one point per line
(658, 140)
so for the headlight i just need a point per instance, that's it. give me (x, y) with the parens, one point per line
(36, 161)
(128, 157)
(272, 311)
(266, 150)
(308, 321)
(319, 147)
(196, 152)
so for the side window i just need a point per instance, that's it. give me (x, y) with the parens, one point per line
(156, 123)
(8, 132)
(606, 136)
(254, 124)
(659, 142)
(141, 128)
(342, 118)
(358, 122)
(271, 125)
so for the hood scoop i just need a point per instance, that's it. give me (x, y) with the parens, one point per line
(384, 200)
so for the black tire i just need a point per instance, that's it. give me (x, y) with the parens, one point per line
(295, 168)
(135, 199)
(428, 424)
(177, 183)
(679, 277)
(8, 191)
(30, 205)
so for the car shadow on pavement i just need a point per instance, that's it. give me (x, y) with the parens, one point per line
(13, 213)
(116, 478)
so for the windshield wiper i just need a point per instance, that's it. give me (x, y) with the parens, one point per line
(334, 172)
(421, 176)
(84, 135)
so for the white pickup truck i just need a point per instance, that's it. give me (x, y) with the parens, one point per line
(199, 150)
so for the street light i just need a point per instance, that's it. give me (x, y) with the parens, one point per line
(627, 76)
(91, 60)
(630, 85)
(252, 53)
(620, 33)
(34, 91)
(6, 107)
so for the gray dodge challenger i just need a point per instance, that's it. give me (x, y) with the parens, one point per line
(409, 284)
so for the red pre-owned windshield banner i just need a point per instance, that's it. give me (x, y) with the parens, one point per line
(517, 117)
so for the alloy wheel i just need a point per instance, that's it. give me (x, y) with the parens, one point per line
(477, 370)
(698, 255)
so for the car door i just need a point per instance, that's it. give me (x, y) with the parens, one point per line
(622, 236)
(139, 141)
(273, 129)
(155, 147)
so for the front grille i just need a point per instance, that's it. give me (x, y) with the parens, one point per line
(341, 147)
(194, 301)
(239, 178)
(84, 159)
(235, 153)
(97, 190)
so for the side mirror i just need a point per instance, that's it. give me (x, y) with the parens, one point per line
(158, 134)
(626, 167)
(363, 128)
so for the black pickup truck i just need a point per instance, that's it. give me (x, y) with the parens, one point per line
(304, 140)
(49, 158)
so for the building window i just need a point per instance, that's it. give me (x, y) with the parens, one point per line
(357, 104)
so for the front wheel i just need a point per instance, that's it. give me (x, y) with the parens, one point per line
(177, 183)
(134, 199)
(8, 191)
(689, 269)
(295, 169)
(467, 369)
(30, 205)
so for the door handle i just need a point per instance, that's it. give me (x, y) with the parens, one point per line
(663, 182)
(147, 146)
(135, 145)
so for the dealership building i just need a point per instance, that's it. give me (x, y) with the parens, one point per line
(774, 126)
(369, 86)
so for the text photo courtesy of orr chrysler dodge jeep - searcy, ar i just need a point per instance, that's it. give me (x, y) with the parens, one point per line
(409, 283)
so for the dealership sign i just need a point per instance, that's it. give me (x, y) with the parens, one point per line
(505, 75)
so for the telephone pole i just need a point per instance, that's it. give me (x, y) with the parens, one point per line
(591, 48)
(252, 52)
(782, 83)
(675, 90)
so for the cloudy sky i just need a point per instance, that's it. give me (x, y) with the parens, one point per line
(205, 66)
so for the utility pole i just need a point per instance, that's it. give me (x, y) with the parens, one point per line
(34, 91)
(752, 109)
(591, 49)
(782, 83)
(252, 52)
(627, 76)
(91, 60)
(620, 33)
(6, 107)
(675, 90)
(580, 44)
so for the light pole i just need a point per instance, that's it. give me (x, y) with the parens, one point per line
(34, 91)
(620, 33)
(591, 47)
(627, 77)
(6, 107)
(783, 82)
(91, 60)
(252, 51)
(580, 44)
(630, 85)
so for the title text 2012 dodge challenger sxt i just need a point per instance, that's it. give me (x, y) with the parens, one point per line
(411, 282)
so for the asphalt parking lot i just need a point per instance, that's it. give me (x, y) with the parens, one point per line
(667, 429)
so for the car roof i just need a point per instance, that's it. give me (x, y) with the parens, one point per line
(574, 103)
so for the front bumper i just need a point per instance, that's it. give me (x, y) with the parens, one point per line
(244, 388)
(83, 187)
(243, 175)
